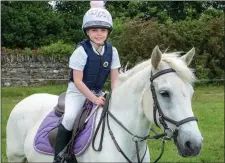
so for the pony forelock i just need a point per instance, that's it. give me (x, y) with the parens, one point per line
(183, 71)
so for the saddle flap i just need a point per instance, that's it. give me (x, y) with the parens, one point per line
(79, 123)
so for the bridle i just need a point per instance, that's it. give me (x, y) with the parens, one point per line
(156, 108)
(168, 132)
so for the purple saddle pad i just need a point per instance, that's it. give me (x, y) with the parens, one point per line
(51, 121)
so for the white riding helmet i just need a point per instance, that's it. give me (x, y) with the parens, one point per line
(97, 17)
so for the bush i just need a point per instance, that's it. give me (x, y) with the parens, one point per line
(210, 14)
(138, 39)
(25, 51)
(214, 46)
(57, 49)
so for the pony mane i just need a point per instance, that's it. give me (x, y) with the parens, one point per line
(172, 59)
(126, 74)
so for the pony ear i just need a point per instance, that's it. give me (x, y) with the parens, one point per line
(156, 57)
(187, 58)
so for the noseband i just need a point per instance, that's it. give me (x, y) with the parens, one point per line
(162, 118)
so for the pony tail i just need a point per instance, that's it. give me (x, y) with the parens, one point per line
(97, 4)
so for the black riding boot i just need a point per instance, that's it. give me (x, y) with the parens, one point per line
(62, 139)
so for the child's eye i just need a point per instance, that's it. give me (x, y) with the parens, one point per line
(103, 30)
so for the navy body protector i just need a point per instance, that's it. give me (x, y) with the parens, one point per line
(97, 67)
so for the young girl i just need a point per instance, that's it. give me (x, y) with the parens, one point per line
(91, 63)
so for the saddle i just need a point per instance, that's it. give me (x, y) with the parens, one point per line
(60, 107)
(79, 123)
(83, 130)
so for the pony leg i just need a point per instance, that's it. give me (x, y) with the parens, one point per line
(17, 159)
(14, 149)
(14, 141)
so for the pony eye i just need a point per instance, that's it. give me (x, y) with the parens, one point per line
(164, 94)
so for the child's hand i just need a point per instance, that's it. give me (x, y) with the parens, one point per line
(100, 100)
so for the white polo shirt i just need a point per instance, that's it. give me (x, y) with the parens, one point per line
(79, 58)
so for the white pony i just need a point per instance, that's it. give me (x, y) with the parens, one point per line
(132, 104)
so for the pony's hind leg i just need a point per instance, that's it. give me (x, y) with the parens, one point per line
(14, 141)
(14, 149)
(16, 159)
(15, 152)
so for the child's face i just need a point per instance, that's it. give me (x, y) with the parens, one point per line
(98, 35)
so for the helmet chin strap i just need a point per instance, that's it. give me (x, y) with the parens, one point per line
(97, 46)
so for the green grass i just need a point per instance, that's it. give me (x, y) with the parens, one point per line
(208, 106)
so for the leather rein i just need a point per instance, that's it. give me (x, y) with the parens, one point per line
(167, 135)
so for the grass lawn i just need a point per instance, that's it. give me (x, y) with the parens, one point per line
(208, 106)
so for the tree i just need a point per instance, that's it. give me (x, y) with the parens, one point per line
(72, 13)
(29, 24)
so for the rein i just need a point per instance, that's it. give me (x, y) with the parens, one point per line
(105, 114)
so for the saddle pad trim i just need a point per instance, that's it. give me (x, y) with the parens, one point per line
(42, 151)
(52, 126)
(90, 138)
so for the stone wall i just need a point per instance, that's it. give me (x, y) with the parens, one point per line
(19, 70)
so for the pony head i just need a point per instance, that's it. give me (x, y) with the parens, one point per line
(172, 93)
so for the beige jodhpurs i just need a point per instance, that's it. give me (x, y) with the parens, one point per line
(74, 102)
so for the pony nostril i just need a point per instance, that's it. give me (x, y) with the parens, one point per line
(188, 145)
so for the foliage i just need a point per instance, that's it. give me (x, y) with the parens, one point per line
(57, 49)
(25, 51)
(29, 24)
(138, 27)
(141, 37)
(214, 45)
(210, 13)
(118, 28)
(72, 13)
(162, 11)
(34, 24)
